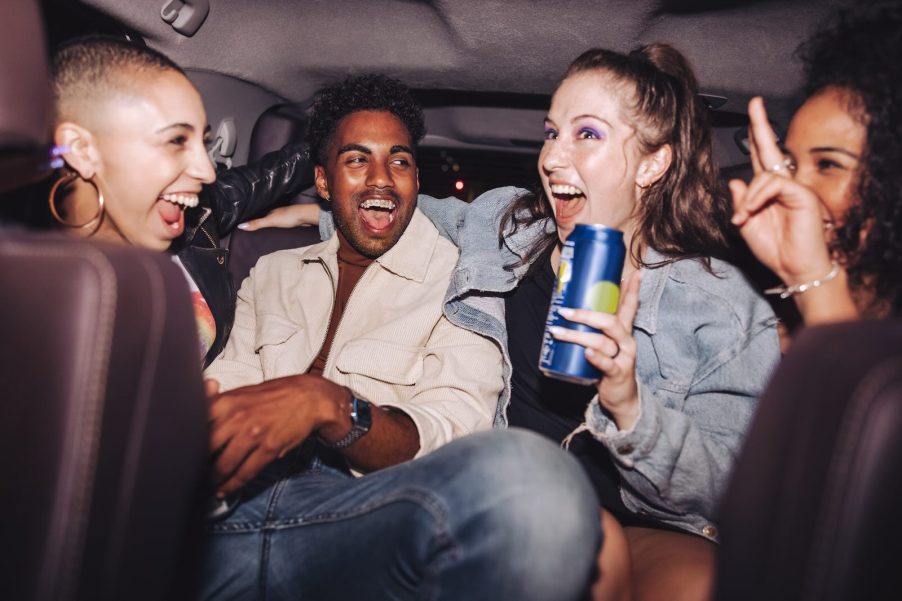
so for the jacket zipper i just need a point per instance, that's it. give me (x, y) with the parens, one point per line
(200, 226)
(322, 340)
(346, 313)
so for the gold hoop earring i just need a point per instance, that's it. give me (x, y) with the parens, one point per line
(92, 223)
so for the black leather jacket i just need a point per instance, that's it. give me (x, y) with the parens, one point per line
(237, 195)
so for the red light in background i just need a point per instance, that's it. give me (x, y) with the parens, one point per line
(459, 185)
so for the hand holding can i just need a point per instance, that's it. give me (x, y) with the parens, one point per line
(588, 278)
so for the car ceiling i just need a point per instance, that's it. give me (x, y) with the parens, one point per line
(291, 48)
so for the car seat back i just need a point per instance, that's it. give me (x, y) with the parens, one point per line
(103, 422)
(812, 509)
(277, 127)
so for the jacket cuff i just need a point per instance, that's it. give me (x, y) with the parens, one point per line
(626, 446)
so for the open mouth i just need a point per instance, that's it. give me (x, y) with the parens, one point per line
(172, 210)
(568, 200)
(378, 214)
(185, 199)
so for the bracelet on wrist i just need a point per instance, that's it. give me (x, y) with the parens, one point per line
(787, 291)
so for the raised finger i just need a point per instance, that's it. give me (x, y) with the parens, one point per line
(764, 189)
(739, 190)
(763, 140)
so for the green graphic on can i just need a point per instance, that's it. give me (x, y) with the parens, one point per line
(603, 297)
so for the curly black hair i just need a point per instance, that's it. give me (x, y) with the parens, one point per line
(858, 54)
(361, 93)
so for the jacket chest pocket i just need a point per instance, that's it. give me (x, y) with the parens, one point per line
(380, 361)
(281, 346)
(668, 375)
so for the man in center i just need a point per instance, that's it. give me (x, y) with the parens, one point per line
(343, 400)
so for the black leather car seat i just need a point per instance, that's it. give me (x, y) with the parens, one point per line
(812, 511)
(276, 127)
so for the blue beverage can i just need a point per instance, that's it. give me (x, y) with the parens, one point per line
(588, 278)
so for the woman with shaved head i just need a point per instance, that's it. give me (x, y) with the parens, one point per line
(131, 130)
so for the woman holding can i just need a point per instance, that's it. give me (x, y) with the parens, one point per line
(692, 344)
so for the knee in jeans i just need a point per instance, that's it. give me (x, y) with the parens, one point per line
(545, 502)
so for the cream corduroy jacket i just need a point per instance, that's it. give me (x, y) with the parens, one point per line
(393, 347)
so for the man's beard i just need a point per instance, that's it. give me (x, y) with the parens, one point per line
(366, 246)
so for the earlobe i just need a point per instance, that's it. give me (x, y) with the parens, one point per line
(319, 179)
(654, 166)
(81, 154)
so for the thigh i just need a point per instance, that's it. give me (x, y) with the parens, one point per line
(670, 566)
(430, 528)
(613, 582)
(322, 534)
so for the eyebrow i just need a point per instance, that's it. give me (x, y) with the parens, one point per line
(588, 116)
(187, 126)
(353, 148)
(360, 148)
(834, 149)
(585, 116)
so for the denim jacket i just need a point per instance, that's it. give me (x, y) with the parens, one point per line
(706, 347)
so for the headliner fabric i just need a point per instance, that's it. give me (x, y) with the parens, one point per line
(738, 47)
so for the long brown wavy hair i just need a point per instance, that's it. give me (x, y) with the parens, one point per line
(685, 213)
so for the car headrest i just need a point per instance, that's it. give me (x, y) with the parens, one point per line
(25, 96)
(277, 126)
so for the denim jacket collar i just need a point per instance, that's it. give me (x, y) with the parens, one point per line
(653, 282)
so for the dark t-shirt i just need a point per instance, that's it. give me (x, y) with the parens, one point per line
(553, 408)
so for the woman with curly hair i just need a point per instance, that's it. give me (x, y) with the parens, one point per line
(825, 212)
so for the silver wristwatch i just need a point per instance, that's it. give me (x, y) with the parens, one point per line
(361, 420)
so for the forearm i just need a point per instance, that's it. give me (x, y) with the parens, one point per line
(829, 303)
(392, 439)
(241, 192)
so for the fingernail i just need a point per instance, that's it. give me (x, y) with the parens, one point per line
(555, 330)
(243, 226)
(590, 352)
(565, 311)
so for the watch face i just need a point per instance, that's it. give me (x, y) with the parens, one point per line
(361, 415)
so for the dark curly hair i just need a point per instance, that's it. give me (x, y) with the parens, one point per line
(685, 213)
(361, 93)
(858, 53)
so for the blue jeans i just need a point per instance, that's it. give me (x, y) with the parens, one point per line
(497, 515)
